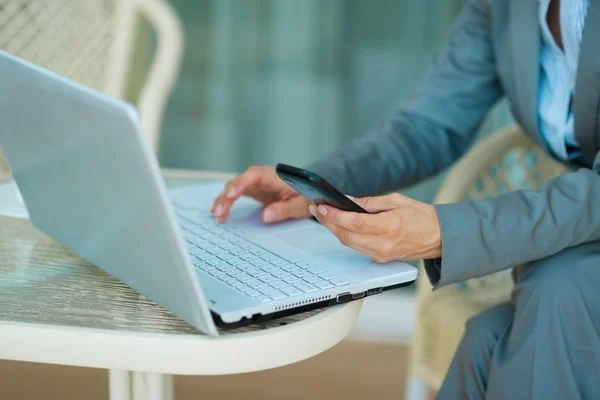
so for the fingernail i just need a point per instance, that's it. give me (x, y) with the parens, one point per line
(323, 210)
(269, 216)
(218, 210)
(231, 193)
(313, 210)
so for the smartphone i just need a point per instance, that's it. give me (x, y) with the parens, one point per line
(316, 189)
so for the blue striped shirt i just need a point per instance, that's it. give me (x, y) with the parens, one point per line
(557, 77)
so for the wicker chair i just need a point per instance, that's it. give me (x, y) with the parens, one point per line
(91, 41)
(506, 161)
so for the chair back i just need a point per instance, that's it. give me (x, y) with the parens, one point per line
(91, 42)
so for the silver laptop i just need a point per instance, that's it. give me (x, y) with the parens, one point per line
(90, 180)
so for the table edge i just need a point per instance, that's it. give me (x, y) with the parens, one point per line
(180, 354)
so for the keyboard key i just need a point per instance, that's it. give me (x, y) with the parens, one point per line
(247, 257)
(203, 257)
(323, 285)
(269, 268)
(255, 272)
(213, 261)
(213, 250)
(279, 274)
(234, 272)
(303, 264)
(288, 267)
(255, 284)
(263, 299)
(230, 281)
(277, 284)
(268, 256)
(259, 262)
(278, 262)
(277, 296)
(235, 261)
(311, 279)
(267, 278)
(301, 273)
(252, 292)
(266, 290)
(213, 271)
(239, 286)
(221, 276)
(245, 267)
(245, 278)
(305, 287)
(327, 276)
(317, 270)
(339, 282)
(290, 279)
(291, 291)
(195, 251)
(200, 265)
(261, 275)
(223, 267)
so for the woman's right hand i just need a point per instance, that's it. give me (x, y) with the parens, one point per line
(262, 184)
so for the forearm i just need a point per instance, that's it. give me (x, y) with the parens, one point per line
(412, 148)
(483, 237)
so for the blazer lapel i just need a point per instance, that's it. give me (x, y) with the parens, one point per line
(526, 39)
(587, 85)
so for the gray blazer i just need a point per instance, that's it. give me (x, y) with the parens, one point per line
(492, 51)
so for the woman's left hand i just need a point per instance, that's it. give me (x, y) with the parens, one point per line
(397, 228)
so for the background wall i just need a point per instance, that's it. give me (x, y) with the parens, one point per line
(265, 81)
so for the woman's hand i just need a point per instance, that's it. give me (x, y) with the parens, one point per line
(262, 184)
(398, 228)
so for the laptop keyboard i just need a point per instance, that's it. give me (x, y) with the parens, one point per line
(222, 252)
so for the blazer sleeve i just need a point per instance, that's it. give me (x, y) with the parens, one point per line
(437, 126)
(482, 237)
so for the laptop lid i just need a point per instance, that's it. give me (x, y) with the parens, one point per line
(90, 180)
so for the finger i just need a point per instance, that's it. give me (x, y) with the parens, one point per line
(222, 195)
(234, 190)
(222, 204)
(376, 204)
(371, 224)
(366, 244)
(294, 208)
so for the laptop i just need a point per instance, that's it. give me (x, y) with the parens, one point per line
(90, 180)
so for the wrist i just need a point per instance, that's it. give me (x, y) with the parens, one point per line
(434, 239)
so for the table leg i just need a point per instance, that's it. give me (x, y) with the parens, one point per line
(152, 386)
(119, 382)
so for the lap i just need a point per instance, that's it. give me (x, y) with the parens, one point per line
(566, 284)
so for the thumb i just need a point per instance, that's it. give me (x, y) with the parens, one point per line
(294, 208)
(376, 204)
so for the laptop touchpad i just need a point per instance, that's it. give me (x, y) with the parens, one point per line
(314, 240)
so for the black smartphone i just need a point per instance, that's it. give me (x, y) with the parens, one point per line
(315, 188)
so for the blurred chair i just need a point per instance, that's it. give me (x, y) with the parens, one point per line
(505, 161)
(91, 41)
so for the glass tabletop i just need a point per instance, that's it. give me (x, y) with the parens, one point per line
(42, 282)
